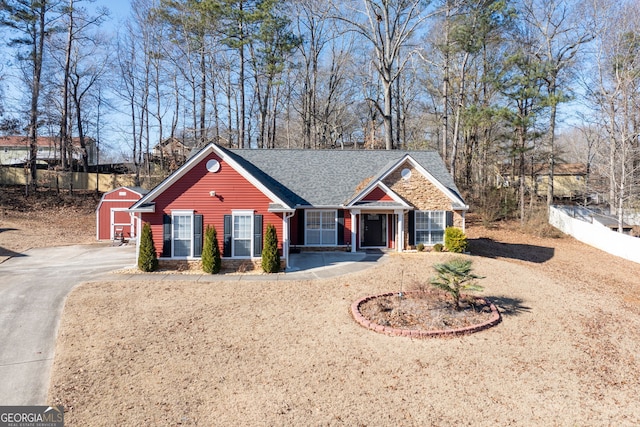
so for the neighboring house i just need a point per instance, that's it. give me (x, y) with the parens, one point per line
(173, 150)
(15, 150)
(569, 179)
(316, 199)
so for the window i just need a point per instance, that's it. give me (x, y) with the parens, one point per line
(242, 235)
(182, 233)
(321, 228)
(430, 227)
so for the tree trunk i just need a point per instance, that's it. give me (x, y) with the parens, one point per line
(38, 53)
(552, 138)
(388, 119)
(64, 137)
(456, 126)
(203, 94)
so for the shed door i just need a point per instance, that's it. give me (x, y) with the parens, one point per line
(120, 223)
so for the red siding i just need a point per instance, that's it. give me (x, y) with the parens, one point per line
(121, 198)
(121, 194)
(377, 195)
(192, 192)
(347, 227)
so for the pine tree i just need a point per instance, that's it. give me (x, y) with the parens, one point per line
(211, 261)
(270, 254)
(148, 259)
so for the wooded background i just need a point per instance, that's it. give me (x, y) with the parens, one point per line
(493, 85)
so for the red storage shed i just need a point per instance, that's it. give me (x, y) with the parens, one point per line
(112, 217)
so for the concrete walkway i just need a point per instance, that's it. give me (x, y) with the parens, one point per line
(34, 286)
(303, 266)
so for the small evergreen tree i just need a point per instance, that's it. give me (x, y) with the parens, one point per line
(211, 261)
(147, 259)
(455, 240)
(455, 276)
(270, 254)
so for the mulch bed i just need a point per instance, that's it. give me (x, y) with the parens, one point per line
(427, 311)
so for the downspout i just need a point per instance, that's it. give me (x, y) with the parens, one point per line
(286, 237)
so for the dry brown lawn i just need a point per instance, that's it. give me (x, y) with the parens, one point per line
(251, 353)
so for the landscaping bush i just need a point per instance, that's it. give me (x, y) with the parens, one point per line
(420, 247)
(211, 261)
(438, 247)
(455, 276)
(455, 240)
(148, 259)
(270, 254)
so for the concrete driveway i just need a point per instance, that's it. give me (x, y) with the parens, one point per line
(34, 285)
(33, 288)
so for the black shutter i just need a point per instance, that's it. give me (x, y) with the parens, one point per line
(301, 219)
(341, 227)
(257, 235)
(197, 235)
(412, 228)
(227, 236)
(449, 222)
(166, 236)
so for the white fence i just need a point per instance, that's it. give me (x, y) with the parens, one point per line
(596, 235)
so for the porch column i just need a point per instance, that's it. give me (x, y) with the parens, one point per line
(286, 237)
(133, 225)
(354, 231)
(400, 233)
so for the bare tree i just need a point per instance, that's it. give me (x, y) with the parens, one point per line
(615, 92)
(32, 22)
(388, 26)
(560, 30)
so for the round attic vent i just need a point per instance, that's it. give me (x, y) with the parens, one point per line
(213, 166)
(406, 173)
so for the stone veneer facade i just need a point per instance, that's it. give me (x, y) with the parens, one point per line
(418, 191)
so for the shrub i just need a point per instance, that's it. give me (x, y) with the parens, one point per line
(420, 247)
(455, 276)
(437, 247)
(147, 259)
(455, 240)
(211, 261)
(270, 254)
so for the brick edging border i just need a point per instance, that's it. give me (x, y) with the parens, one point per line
(355, 312)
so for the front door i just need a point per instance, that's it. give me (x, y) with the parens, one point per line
(375, 230)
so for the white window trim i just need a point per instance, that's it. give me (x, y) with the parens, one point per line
(415, 226)
(234, 214)
(182, 212)
(335, 218)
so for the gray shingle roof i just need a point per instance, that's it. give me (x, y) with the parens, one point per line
(329, 177)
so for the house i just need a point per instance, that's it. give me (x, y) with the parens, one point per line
(316, 199)
(15, 150)
(173, 150)
(569, 179)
